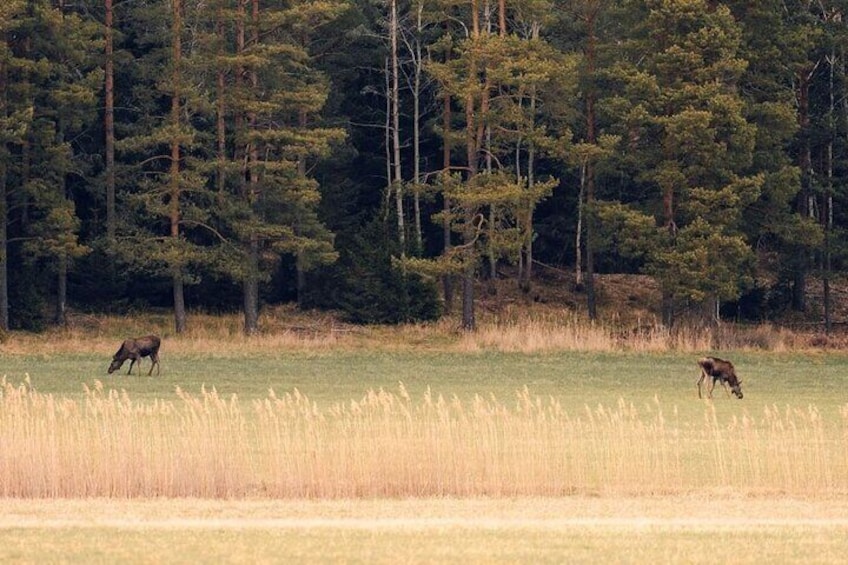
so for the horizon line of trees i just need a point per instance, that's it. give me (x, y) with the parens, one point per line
(382, 156)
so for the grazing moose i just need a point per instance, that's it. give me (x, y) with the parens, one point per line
(135, 349)
(722, 371)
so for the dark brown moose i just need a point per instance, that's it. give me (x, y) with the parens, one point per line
(721, 371)
(135, 349)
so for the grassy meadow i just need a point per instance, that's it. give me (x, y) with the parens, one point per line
(570, 529)
(319, 428)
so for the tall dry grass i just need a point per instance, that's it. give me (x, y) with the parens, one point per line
(511, 330)
(390, 445)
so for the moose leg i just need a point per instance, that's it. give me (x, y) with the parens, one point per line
(703, 376)
(712, 386)
(154, 358)
(132, 362)
(724, 386)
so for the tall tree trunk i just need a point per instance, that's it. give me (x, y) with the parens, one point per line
(4, 251)
(26, 145)
(578, 233)
(526, 273)
(387, 129)
(447, 279)
(671, 225)
(174, 203)
(60, 316)
(4, 211)
(251, 289)
(416, 128)
(531, 203)
(502, 17)
(251, 283)
(591, 137)
(239, 150)
(397, 180)
(109, 127)
(221, 105)
(799, 288)
(473, 139)
(299, 259)
(491, 254)
(828, 203)
(469, 321)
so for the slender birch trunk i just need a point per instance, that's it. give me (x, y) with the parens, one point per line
(416, 127)
(397, 180)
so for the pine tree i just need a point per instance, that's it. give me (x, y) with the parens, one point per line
(49, 84)
(13, 119)
(270, 205)
(67, 108)
(684, 130)
(498, 79)
(776, 41)
(166, 207)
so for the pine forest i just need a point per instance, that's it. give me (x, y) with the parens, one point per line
(382, 158)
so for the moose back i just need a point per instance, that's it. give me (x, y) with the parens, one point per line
(134, 349)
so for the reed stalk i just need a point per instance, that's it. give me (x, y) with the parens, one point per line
(387, 444)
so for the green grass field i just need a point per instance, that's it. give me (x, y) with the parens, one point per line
(656, 528)
(574, 378)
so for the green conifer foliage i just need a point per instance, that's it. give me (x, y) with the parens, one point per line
(685, 135)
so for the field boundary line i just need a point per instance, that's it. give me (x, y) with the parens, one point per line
(401, 523)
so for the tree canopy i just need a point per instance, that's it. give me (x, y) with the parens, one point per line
(373, 155)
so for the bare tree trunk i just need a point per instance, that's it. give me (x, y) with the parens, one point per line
(387, 128)
(60, 317)
(591, 137)
(221, 106)
(492, 229)
(490, 246)
(397, 181)
(239, 151)
(174, 203)
(251, 289)
(109, 127)
(4, 212)
(473, 138)
(416, 127)
(578, 245)
(300, 272)
(526, 274)
(4, 249)
(4, 253)
(828, 204)
(502, 17)
(799, 288)
(469, 321)
(251, 283)
(447, 279)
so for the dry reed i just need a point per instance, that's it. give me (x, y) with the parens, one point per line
(509, 331)
(388, 445)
